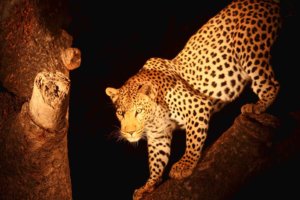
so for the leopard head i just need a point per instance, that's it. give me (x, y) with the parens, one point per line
(135, 108)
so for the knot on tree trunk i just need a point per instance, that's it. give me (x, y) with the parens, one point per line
(50, 99)
(71, 58)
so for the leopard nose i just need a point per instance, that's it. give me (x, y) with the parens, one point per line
(131, 132)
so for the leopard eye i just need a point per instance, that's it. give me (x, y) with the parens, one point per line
(139, 110)
(120, 113)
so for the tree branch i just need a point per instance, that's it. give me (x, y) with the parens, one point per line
(33, 144)
(50, 99)
(35, 94)
(246, 149)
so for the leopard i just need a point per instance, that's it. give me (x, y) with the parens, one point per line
(230, 51)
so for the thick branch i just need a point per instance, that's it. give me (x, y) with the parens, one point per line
(50, 99)
(34, 162)
(247, 148)
(32, 40)
(33, 135)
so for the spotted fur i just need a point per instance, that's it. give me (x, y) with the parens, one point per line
(231, 50)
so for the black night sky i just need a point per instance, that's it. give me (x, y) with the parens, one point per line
(115, 40)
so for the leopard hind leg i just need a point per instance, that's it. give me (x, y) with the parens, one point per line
(265, 86)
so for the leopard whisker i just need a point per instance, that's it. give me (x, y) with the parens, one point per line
(115, 134)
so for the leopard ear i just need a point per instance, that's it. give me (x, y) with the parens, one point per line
(113, 93)
(147, 89)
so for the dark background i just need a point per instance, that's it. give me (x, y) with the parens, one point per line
(115, 40)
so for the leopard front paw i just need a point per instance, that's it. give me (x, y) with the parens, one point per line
(253, 108)
(139, 193)
(181, 170)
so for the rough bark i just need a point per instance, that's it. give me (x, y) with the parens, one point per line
(35, 59)
(34, 161)
(249, 147)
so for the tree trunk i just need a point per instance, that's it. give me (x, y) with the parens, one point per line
(249, 147)
(36, 56)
